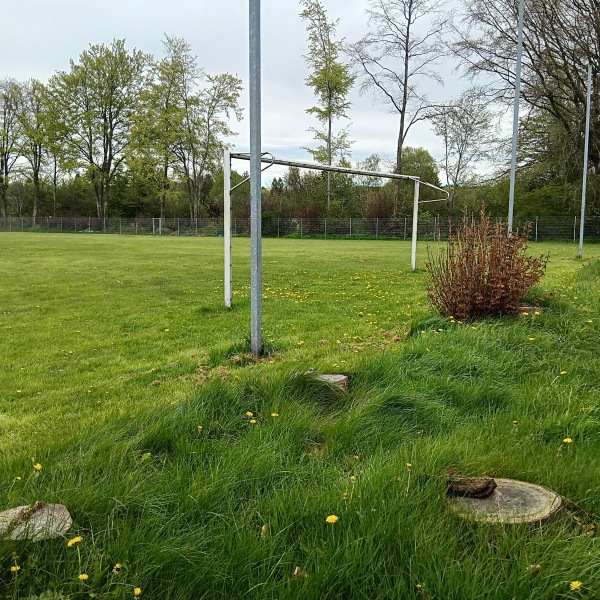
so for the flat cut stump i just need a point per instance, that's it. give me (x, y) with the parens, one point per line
(339, 380)
(35, 522)
(511, 502)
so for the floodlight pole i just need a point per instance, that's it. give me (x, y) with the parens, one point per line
(255, 181)
(227, 224)
(415, 223)
(513, 160)
(585, 157)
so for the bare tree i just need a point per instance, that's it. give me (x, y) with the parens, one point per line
(469, 136)
(397, 55)
(560, 39)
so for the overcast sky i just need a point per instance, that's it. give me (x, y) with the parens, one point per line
(40, 36)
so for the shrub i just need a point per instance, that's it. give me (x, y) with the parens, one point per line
(483, 272)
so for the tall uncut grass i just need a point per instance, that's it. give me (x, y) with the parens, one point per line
(207, 474)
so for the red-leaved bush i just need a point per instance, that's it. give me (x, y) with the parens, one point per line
(484, 271)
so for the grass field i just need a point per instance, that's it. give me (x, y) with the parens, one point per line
(124, 376)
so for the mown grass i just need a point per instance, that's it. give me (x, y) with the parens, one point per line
(89, 324)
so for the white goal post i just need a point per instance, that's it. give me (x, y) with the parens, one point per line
(271, 160)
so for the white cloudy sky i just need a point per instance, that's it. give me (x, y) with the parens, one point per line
(40, 36)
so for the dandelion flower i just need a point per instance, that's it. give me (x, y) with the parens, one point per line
(74, 541)
(83, 577)
(409, 466)
(17, 478)
(567, 441)
(249, 414)
(274, 414)
(332, 519)
(118, 567)
(253, 421)
(564, 372)
(531, 339)
(37, 467)
(575, 586)
(137, 592)
(352, 479)
(15, 568)
(200, 427)
(167, 330)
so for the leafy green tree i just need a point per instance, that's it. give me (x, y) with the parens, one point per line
(159, 125)
(34, 135)
(11, 102)
(331, 81)
(95, 102)
(205, 126)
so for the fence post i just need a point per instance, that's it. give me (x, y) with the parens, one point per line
(404, 228)
(120, 228)
(75, 224)
(135, 226)
(278, 227)
(178, 226)
(325, 227)
(104, 224)
(61, 224)
(300, 227)
(350, 226)
(536, 229)
(434, 227)
(575, 230)
(376, 227)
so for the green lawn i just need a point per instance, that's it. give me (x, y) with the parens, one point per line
(115, 349)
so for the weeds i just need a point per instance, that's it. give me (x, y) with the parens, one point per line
(483, 272)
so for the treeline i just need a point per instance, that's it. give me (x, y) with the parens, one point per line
(122, 133)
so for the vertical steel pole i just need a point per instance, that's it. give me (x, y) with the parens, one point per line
(255, 180)
(413, 256)
(585, 158)
(513, 161)
(227, 224)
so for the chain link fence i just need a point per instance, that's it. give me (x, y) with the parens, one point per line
(430, 228)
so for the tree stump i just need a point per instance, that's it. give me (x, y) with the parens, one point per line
(35, 522)
(511, 502)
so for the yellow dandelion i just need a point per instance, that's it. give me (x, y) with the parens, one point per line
(249, 414)
(332, 519)
(300, 343)
(531, 339)
(167, 330)
(118, 567)
(74, 541)
(37, 467)
(253, 421)
(575, 586)
(19, 391)
(17, 478)
(15, 568)
(352, 479)
(274, 414)
(537, 312)
(567, 441)
(409, 466)
(83, 577)
(137, 592)
(564, 372)
(200, 428)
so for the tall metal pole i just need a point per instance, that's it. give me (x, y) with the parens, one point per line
(255, 180)
(513, 161)
(415, 224)
(227, 224)
(585, 157)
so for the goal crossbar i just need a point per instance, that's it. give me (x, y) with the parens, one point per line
(267, 157)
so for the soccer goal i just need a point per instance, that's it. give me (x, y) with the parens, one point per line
(268, 159)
